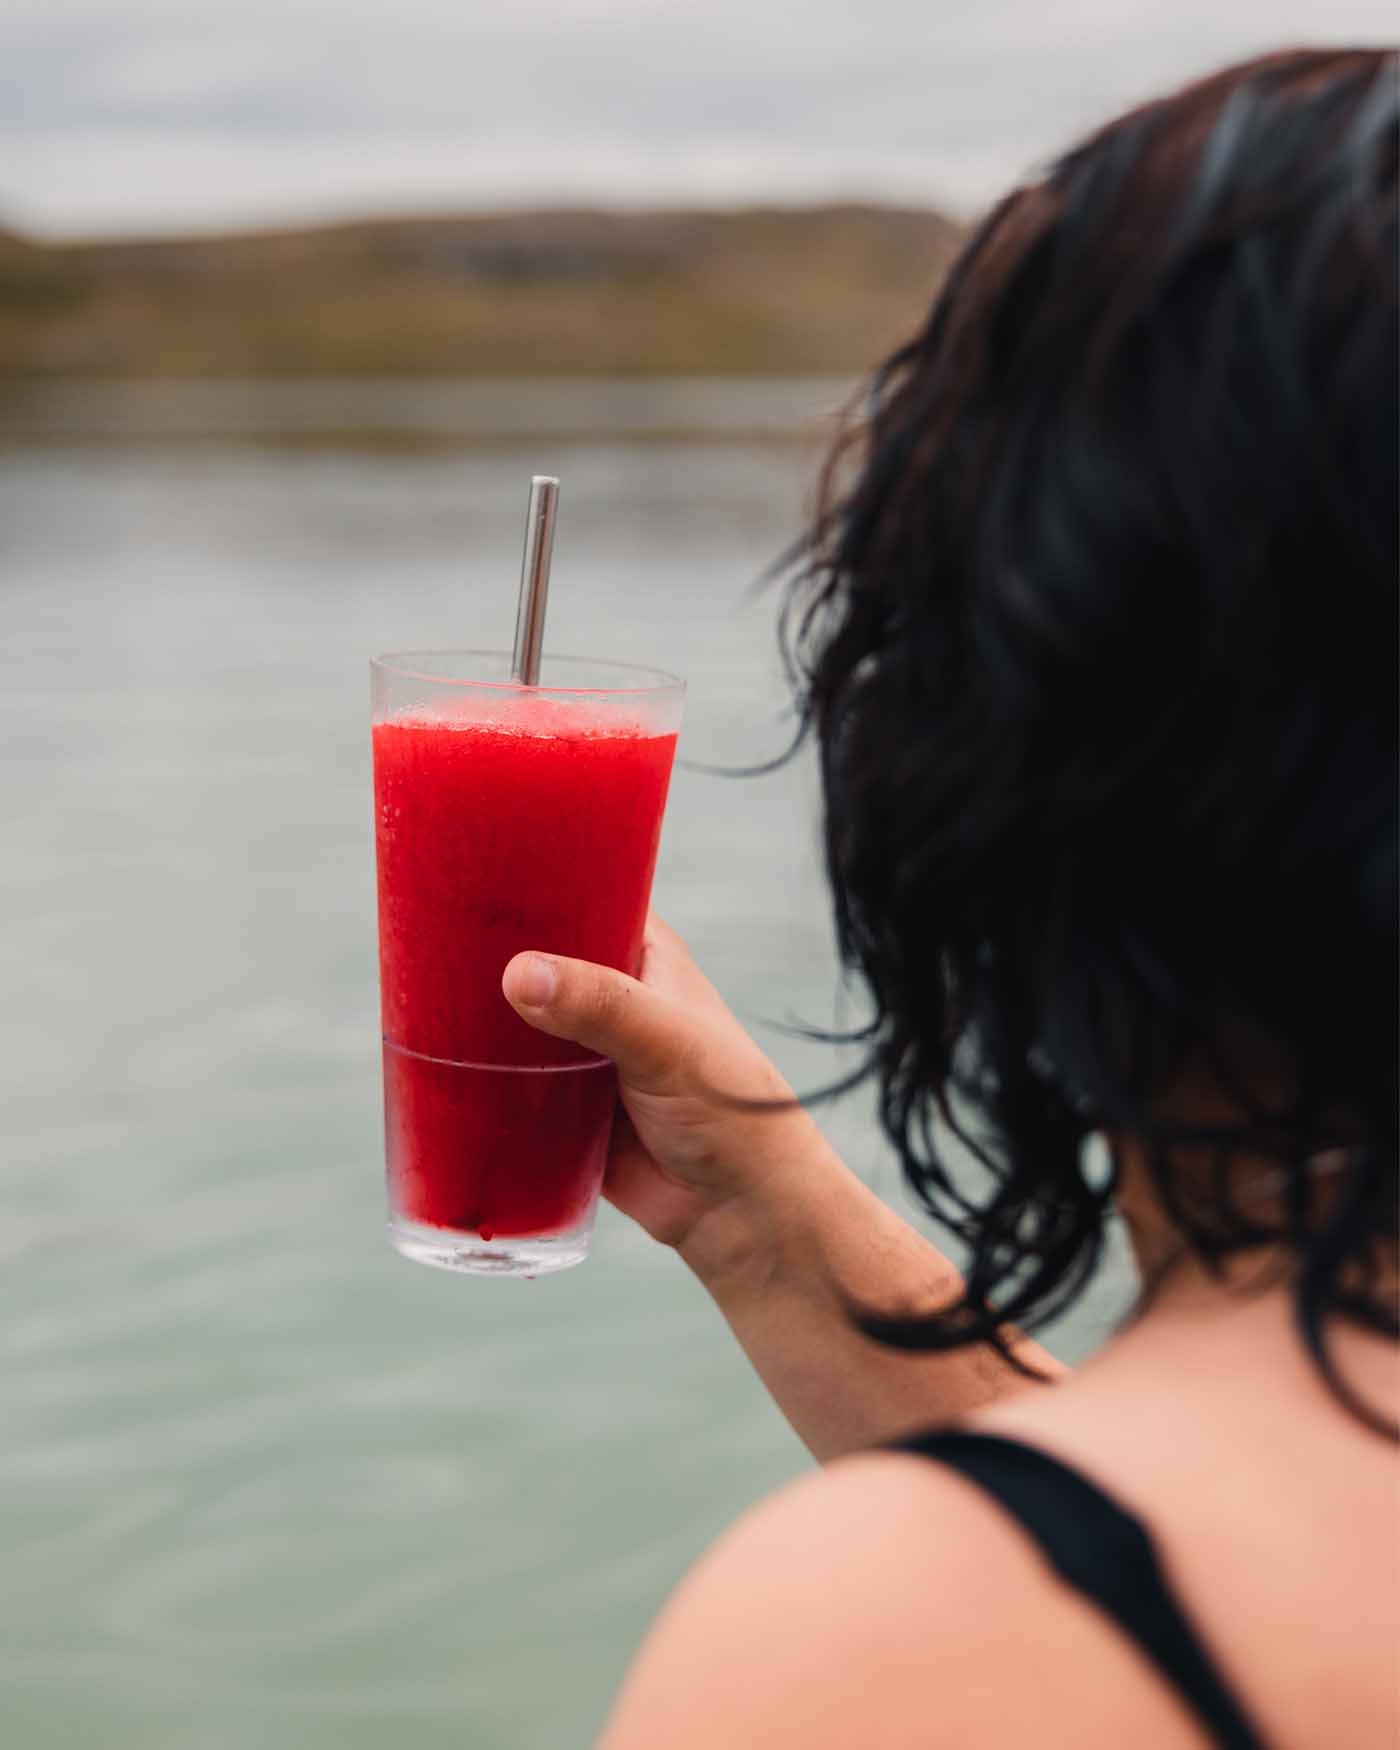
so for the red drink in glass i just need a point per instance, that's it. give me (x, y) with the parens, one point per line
(506, 818)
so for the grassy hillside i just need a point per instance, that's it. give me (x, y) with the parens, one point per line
(825, 290)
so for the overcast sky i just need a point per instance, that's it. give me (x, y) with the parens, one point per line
(151, 115)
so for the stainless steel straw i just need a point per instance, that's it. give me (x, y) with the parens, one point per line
(534, 578)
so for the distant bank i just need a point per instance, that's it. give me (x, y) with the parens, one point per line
(763, 292)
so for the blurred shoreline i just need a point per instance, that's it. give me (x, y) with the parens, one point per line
(422, 414)
(761, 292)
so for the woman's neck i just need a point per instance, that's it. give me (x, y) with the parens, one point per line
(1201, 1309)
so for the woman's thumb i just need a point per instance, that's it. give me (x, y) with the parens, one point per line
(602, 1010)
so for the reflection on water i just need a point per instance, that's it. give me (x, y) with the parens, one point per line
(261, 1482)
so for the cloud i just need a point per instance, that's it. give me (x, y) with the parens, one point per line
(165, 115)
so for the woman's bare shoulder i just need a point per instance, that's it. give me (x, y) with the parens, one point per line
(883, 1600)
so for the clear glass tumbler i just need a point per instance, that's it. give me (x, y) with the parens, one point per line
(506, 818)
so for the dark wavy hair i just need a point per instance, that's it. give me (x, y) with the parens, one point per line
(1096, 632)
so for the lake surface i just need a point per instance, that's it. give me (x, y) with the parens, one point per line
(263, 1483)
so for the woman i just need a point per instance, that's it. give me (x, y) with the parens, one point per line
(1098, 646)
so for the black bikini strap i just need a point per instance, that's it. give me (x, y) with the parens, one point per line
(1104, 1553)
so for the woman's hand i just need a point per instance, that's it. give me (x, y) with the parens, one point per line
(781, 1233)
(678, 1153)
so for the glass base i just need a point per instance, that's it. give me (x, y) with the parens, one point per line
(470, 1255)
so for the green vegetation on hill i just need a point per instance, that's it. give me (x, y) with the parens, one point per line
(823, 290)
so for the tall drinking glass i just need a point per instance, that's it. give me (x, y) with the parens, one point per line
(506, 817)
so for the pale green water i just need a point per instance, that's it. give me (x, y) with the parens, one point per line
(261, 1482)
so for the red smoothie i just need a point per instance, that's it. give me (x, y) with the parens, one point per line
(509, 822)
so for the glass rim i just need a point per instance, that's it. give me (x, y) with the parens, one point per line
(403, 665)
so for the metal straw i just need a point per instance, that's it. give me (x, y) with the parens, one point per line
(534, 578)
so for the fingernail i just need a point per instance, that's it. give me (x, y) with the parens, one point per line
(536, 984)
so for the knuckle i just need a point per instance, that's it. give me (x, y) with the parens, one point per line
(611, 1000)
